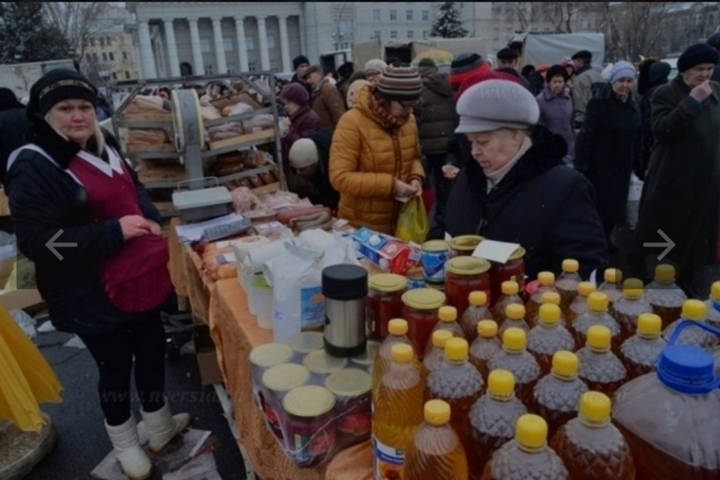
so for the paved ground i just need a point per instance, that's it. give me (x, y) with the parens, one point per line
(82, 442)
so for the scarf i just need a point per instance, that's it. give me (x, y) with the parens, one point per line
(493, 178)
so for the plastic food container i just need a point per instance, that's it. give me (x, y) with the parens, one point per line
(384, 302)
(262, 358)
(202, 204)
(310, 427)
(304, 343)
(277, 381)
(351, 388)
(321, 365)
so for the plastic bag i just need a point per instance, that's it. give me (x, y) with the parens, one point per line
(412, 225)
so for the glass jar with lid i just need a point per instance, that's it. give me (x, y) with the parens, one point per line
(464, 245)
(321, 364)
(277, 382)
(513, 269)
(384, 302)
(262, 358)
(464, 275)
(310, 429)
(351, 388)
(420, 309)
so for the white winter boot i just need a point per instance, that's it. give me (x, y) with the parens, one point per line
(162, 426)
(133, 459)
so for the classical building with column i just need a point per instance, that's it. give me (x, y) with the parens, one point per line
(195, 38)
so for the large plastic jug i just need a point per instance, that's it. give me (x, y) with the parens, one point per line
(670, 417)
(436, 356)
(397, 329)
(485, 346)
(548, 336)
(640, 352)
(546, 283)
(713, 305)
(663, 294)
(579, 305)
(477, 310)
(697, 311)
(549, 298)
(447, 320)
(567, 282)
(612, 286)
(514, 317)
(631, 305)
(510, 295)
(597, 314)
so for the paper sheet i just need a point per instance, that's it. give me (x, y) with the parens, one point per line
(495, 251)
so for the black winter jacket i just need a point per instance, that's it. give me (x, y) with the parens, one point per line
(324, 193)
(14, 126)
(45, 200)
(541, 204)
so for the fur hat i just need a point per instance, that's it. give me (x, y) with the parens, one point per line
(495, 104)
(695, 55)
(303, 153)
(554, 71)
(58, 85)
(400, 83)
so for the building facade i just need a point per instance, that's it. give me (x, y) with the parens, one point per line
(108, 52)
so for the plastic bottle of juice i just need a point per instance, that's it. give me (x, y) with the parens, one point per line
(556, 395)
(590, 446)
(545, 283)
(669, 417)
(640, 352)
(493, 419)
(397, 414)
(436, 356)
(397, 333)
(478, 310)
(436, 451)
(664, 296)
(628, 307)
(713, 305)
(447, 320)
(510, 295)
(554, 299)
(579, 305)
(459, 384)
(612, 286)
(514, 317)
(485, 346)
(567, 282)
(515, 357)
(527, 456)
(600, 368)
(697, 311)
(597, 314)
(548, 336)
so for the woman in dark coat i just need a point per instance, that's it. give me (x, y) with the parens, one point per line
(609, 145)
(655, 76)
(516, 188)
(681, 193)
(556, 108)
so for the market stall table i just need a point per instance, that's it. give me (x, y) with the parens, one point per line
(235, 333)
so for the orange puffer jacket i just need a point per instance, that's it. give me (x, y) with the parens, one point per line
(370, 149)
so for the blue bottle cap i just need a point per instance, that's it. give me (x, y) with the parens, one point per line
(687, 369)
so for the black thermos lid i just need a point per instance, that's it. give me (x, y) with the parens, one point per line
(344, 282)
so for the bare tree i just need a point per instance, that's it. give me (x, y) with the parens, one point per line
(634, 28)
(77, 21)
(526, 13)
(560, 15)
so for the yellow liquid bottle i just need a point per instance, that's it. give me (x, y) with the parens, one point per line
(556, 395)
(640, 352)
(664, 296)
(436, 356)
(397, 333)
(515, 358)
(627, 309)
(600, 369)
(478, 310)
(485, 346)
(457, 382)
(590, 446)
(493, 419)
(549, 336)
(579, 305)
(436, 451)
(527, 456)
(597, 314)
(398, 412)
(713, 305)
(514, 317)
(447, 320)
(567, 282)
(554, 299)
(510, 289)
(697, 311)
(546, 283)
(612, 286)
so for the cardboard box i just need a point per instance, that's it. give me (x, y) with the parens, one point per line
(207, 359)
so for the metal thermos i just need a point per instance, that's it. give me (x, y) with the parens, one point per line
(345, 288)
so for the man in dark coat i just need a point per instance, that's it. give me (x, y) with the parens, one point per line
(435, 114)
(309, 157)
(714, 42)
(300, 64)
(533, 199)
(14, 126)
(681, 194)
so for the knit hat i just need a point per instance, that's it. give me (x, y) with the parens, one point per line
(695, 55)
(299, 60)
(58, 85)
(554, 71)
(296, 93)
(507, 53)
(481, 77)
(566, 61)
(543, 67)
(583, 55)
(622, 69)
(495, 104)
(303, 153)
(375, 64)
(465, 65)
(354, 89)
(400, 83)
